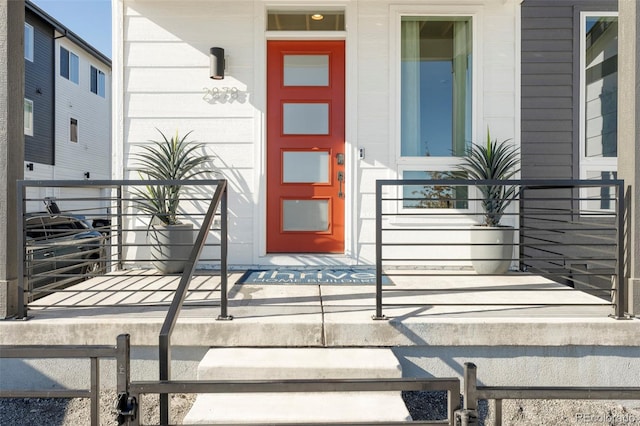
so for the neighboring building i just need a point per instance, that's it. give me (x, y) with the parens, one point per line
(316, 104)
(67, 104)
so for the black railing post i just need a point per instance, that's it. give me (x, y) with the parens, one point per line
(521, 236)
(223, 257)
(22, 305)
(468, 416)
(119, 212)
(164, 359)
(621, 281)
(127, 407)
(378, 315)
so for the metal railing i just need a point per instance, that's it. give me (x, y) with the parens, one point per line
(121, 352)
(570, 231)
(56, 255)
(127, 408)
(450, 385)
(473, 393)
(219, 199)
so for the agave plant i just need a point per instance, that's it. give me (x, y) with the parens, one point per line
(167, 159)
(493, 161)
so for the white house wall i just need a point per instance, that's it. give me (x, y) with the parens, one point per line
(163, 78)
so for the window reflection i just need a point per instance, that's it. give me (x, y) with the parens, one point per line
(436, 86)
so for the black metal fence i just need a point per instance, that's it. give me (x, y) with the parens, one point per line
(70, 231)
(95, 353)
(570, 232)
(127, 408)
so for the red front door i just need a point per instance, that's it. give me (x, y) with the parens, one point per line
(305, 147)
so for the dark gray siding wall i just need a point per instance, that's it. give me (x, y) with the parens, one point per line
(550, 85)
(39, 87)
(550, 144)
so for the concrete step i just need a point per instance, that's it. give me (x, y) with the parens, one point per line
(299, 408)
(298, 363)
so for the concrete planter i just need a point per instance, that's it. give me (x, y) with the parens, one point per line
(170, 246)
(491, 249)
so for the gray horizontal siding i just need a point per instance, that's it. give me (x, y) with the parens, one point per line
(39, 88)
(550, 100)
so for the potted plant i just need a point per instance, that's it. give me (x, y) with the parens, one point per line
(492, 247)
(173, 158)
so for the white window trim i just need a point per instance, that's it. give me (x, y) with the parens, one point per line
(28, 127)
(475, 13)
(31, 43)
(590, 164)
(402, 164)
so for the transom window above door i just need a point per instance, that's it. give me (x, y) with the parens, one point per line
(436, 86)
(307, 20)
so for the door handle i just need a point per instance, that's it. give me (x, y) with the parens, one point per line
(340, 180)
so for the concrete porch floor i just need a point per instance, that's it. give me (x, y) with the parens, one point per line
(489, 312)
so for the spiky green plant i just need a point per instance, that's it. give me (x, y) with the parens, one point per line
(167, 159)
(493, 161)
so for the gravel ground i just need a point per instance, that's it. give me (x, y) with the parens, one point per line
(421, 405)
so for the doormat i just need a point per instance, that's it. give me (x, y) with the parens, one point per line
(349, 276)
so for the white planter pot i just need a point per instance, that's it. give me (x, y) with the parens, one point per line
(170, 246)
(491, 249)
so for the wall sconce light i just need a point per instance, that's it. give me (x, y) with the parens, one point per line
(216, 65)
(30, 167)
(87, 175)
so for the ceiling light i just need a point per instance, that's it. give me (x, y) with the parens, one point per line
(317, 17)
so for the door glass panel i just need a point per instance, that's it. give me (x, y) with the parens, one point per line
(305, 119)
(306, 70)
(305, 166)
(305, 215)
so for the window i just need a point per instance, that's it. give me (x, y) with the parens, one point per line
(28, 117)
(599, 99)
(434, 196)
(290, 20)
(436, 86)
(73, 130)
(69, 65)
(435, 94)
(28, 42)
(97, 82)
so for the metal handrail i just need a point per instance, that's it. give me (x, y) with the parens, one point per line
(219, 199)
(540, 245)
(473, 393)
(93, 352)
(109, 209)
(451, 385)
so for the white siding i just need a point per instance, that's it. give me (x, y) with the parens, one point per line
(165, 69)
(92, 152)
